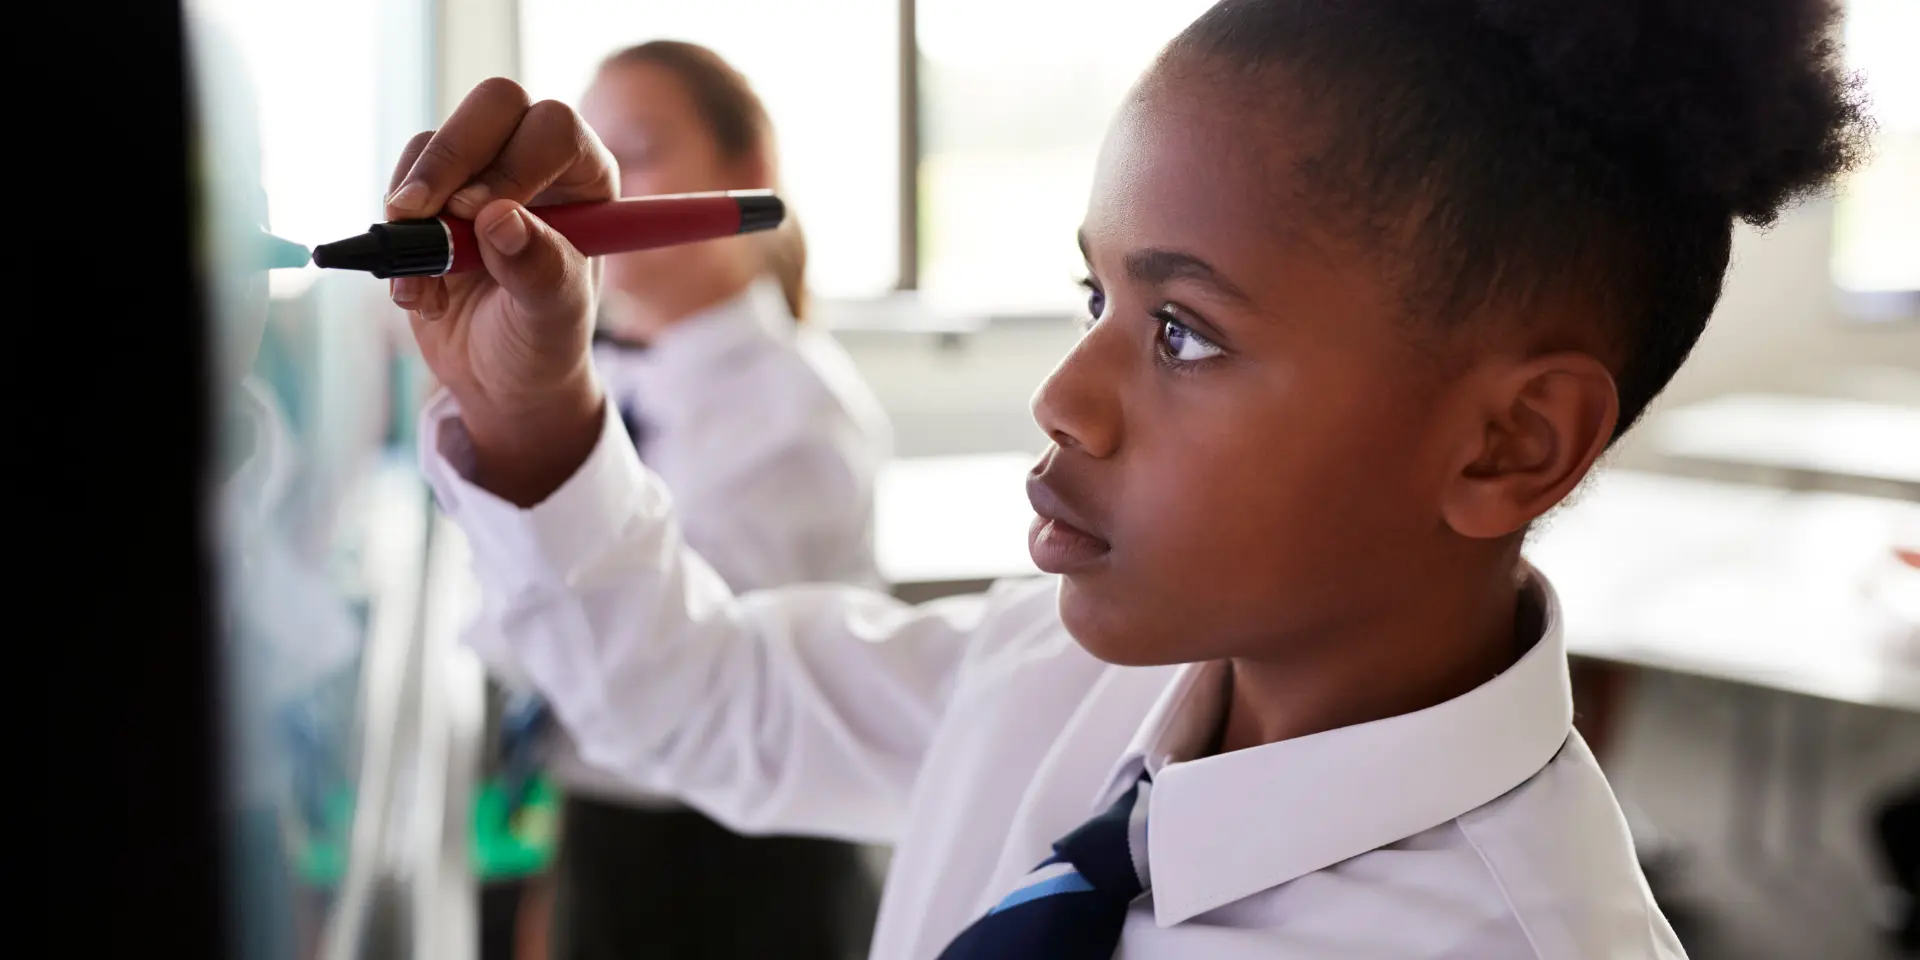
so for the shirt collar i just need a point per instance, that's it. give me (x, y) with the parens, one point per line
(1225, 827)
(688, 353)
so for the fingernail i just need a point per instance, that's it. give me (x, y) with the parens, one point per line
(509, 233)
(405, 290)
(412, 195)
(469, 199)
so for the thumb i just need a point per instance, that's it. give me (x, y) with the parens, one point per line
(534, 264)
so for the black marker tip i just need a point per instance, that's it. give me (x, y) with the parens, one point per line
(760, 212)
(363, 252)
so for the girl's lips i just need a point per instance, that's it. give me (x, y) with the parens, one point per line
(1058, 539)
(1060, 547)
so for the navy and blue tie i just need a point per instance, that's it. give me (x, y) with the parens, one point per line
(636, 427)
(1071, 906)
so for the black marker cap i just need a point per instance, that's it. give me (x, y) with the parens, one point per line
(760, 212)
(403, 248)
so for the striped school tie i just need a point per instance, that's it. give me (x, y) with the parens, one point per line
(1072, 906)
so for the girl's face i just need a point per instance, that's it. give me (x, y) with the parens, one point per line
(648, 120)
(1246, 435)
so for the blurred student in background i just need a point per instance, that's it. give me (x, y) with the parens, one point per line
(769, 443)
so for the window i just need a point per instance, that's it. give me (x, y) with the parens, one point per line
(1015, 96)
(1010, 121)
(1876, 231)
(828, 72)
(324, 166)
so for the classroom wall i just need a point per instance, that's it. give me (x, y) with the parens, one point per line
(477, 39)
(966, 395)
(1779, 327)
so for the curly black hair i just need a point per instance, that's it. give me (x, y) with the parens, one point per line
(1499, 151)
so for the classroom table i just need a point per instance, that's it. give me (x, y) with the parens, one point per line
(1800, 443)
(1786, 590)
(1797, 442)
(946, 525)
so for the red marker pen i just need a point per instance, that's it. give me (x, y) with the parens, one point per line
(445, 244)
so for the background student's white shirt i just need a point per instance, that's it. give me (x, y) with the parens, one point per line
(768, 441)
(972, 732)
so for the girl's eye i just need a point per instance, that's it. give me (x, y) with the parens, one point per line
(1181, 344)
(1096, 301)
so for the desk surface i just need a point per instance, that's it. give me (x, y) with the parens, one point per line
(1790, 591)
(953, 519)
(1811, 435)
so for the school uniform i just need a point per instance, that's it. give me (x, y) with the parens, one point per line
(769, 442)
(974, 734)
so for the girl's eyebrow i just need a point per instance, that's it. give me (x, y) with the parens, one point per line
(1155, 266)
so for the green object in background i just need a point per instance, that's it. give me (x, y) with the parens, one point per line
(322, 860)
(501, 850)
(507, 851)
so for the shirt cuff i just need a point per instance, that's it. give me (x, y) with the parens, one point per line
(550, 542)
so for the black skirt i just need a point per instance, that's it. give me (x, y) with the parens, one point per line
(671, 884)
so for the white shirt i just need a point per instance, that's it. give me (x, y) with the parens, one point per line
(972, 732)
(767, 439)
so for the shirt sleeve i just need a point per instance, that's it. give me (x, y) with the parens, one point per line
(798, 710)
